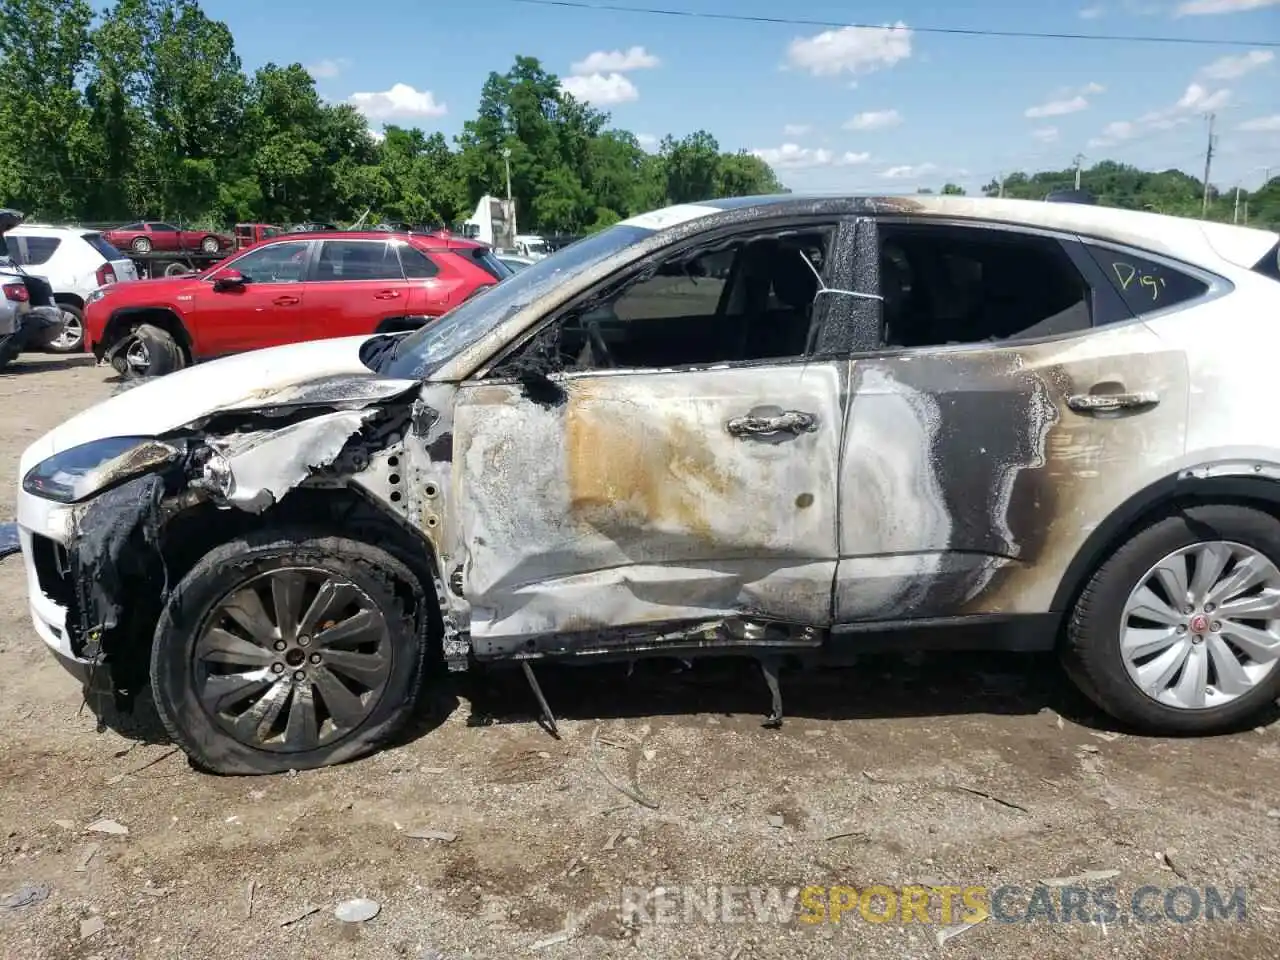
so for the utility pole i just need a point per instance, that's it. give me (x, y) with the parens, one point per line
(511, 207)
(1208, 161)
(1000, 193)
(1078, 160)
(1235, 214)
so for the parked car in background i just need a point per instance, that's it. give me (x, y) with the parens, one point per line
(896, 422)
(146, 236)
(247, 234)
(314, 226)
(514, 262)
(75, 262)
(290, 288)
(27, 310)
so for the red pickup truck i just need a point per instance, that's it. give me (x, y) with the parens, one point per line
(290, 288)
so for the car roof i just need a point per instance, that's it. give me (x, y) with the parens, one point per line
(1182, 238)
(428, 241)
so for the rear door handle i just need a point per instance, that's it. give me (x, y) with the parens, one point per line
(387, 295)
(767, 425)
(286, 301)
(1111, 402)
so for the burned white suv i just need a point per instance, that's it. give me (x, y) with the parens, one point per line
(780, 427)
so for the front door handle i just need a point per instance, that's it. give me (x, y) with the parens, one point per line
(1111, 402)
(286, 301)
(761, 424)
(387, 295)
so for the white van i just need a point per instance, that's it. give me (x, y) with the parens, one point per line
(75, 262)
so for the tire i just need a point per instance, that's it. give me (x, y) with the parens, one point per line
(178, 674)
(177, 270)
(10, 350)
(1092, 652)
(162, 354)
(210, 245)
(141, 245)
(65, 342)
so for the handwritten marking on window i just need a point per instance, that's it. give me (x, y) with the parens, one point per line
(1127, 274)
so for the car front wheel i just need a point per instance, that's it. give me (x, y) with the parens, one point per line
(280, 652)
(141, 245)
(210, 245)
(1178, 631)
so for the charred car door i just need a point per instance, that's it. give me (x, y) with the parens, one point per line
(655, 465)
(1014, 403)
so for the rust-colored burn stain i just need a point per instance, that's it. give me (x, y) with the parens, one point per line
(627, 471)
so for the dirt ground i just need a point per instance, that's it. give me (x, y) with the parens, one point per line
(940, 770)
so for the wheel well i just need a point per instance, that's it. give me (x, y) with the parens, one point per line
(125, 320)
(191, 535)
(1168, 496)
(399, 324)
(70, 299)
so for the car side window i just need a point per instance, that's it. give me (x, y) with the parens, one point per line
(738, 299)
(357, 260)
(39, 250)
(163, 228)
(944, 285)
(417, 265)
(278, 263)
(1143, 284)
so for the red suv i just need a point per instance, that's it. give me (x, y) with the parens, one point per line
(295, 287)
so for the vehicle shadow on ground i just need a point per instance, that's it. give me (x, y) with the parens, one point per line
(878, 687)
(24, 365)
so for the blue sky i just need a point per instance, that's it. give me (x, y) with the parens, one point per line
(882, 109)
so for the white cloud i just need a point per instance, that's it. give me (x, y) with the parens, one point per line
(851, 49)
(615, 61)
(1198, 99)
(1046, 134)
(908, 171)
(874, 120)
(1195, 8)
(600, 88)
(1057, 108)
(796, 129)
(328, 69)
(1230, 68)
(1092, 13)
(378, 135)
(1269, 124)
(647, 141)
(400, 101)
(1114, 132)
(792, 156)
(1066, 100)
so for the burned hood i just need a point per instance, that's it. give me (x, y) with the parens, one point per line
(321, 373)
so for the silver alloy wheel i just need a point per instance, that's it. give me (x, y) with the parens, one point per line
(138, 358)
(293, 660)
(71, 335)
(1202, 627)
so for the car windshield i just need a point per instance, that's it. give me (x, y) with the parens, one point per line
(428, 347)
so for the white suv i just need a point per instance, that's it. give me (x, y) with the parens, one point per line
(75, 262)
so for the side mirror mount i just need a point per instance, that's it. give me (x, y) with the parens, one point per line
(229, 280)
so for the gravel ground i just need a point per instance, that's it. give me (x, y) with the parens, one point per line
(945, 770)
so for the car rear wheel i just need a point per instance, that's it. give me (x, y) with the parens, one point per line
(71, 339)
(141, 245)
(151, 352)
(1179, 630)
(210, 245)
(287, 651)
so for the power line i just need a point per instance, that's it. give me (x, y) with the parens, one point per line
(952, 31)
